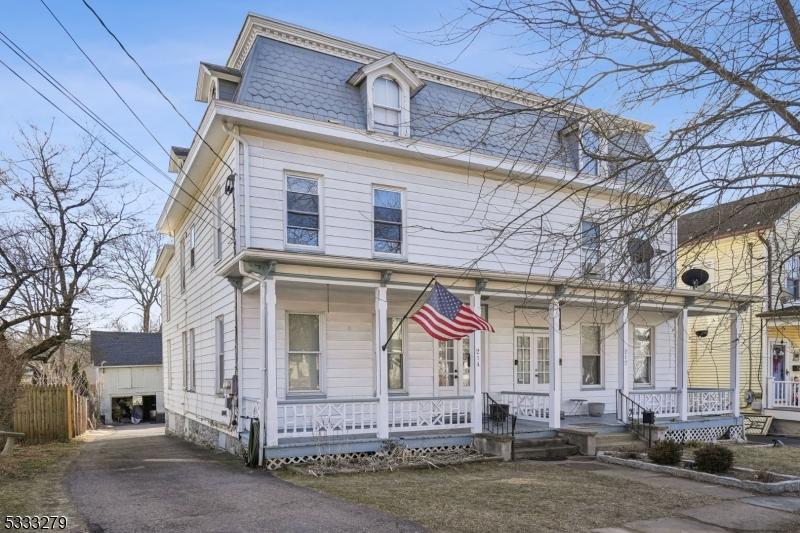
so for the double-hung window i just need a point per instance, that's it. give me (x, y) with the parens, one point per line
(386, 105)
(792, 267)
(590, 145)
(642, 356)
(302, 211)
(192, 246)
(304, 354)
(591, 355)
(169, 364)
(183, 263)
(167, 299)
(219, 335)
(388, 221)
(192, 362)
(394, 353)
(185, 359)
(590, 246)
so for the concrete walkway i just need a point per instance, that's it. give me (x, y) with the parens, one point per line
(740, 510)
(136, 479)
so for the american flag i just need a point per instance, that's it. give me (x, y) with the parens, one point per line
(445, 317)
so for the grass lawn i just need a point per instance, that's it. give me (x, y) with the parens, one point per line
(521, 496)
(31, 478)
(783, 460)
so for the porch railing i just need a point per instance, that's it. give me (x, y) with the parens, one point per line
(304, 418)
(419, 414)
(710, 401)
(784, 394)
(662, 402)
(527, 405)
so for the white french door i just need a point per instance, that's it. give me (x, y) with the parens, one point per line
(531, 361)
(453, 362)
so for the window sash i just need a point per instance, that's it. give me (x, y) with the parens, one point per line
(591, 356)
(304, 355)
(166, 297)
(183, 263)
(642, 355)
(395, 356)
(192, 361)
(219, 324)
(185, 365)
(386, 93)
(591, 144)
(192, 246)
(169, 364)
(304, 372)
(302, 211)
(387, 226)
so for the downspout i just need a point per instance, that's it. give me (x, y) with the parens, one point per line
(769, 269)
(233, 131)
(262, 421)
(763, 322)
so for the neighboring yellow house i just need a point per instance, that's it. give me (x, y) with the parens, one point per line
(750, 248)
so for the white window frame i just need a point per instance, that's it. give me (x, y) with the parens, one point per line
(403, 243)
(635, 272)
(320, 246)
(166, 297)
(182, 261)
(403, 334)
(652, 383)
(192, 361)
(170, 381)
(219, 352)
(218, 226)
(602, 378)
(322, 365)
(193, 247)
(458, 350)
(185, 359)
(598, 265)
(387, 128)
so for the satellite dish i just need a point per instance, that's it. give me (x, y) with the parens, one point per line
(694, 277)
(640, 250)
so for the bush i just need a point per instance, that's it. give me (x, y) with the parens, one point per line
(665, 452)
(713, 458)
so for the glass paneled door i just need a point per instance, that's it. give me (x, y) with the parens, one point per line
(454, 365)
(531, 361)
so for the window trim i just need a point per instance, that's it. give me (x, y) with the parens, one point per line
(192, 361)
(599, 264)
(185, 359)
(602, 381)
(386, 128)
(219, 352)
(192, 247)
(170, 379)
(323, 390)
(652, 383)
(167, 300)
(182, 246)
(403, 340)
(403, 243)
(320, 246)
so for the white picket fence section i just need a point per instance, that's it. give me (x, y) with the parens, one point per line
(418, 414)
(710, 401)
(784, 394)
(661, 402)
(327, 417)
(527, 405)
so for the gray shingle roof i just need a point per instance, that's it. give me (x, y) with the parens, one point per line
(117, 348)
(289, 79)
(744, 215)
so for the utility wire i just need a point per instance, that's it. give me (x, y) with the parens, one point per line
(33, 64)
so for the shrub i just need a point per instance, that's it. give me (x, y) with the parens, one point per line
(665, 452)
(713, 458)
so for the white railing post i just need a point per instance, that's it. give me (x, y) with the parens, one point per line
(769, 393)
(736, 328)
(477, 370)
(269, 412)
(683, 362)
(554, 331)
(625, 366)
(381, 362)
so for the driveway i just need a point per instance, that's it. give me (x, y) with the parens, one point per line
(137, 479)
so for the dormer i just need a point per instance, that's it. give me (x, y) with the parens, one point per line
(387, 86)
(215, 82)
(583, 143)
(177, 157)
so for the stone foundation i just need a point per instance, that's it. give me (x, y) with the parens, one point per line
(201, 434)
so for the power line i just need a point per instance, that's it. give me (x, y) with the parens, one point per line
(33, 64)
(152, 82)
(122, 99)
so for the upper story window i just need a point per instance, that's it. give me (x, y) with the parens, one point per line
(641, 254)
(590, 247)
(388, 221)
(590, 144)
(583, 145)
(192, 245)
(183, 263)
(166, 296)
(386, 105)
(792, 286)
(302, 211)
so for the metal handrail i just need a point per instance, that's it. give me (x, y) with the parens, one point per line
(632, 413)
(497, 417)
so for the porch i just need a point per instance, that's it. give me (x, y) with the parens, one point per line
(317, 373)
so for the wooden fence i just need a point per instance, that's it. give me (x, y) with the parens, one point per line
(46, 413)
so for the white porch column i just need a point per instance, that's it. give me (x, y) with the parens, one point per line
(554, 330)
(381, 362)
(736, 328)
(625, 360)
(477, 371)
(766, 365)
(682, 351)
(269, 405)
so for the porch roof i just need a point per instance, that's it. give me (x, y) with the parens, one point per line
(336, 270)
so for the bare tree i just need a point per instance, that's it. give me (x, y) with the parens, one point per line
(62, 211)
(129, 270)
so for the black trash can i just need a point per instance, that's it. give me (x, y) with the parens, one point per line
(499, 411)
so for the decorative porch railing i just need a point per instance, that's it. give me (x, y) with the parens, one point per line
(419, 414)
(710, 401)
(661, 402)
(527, 405)
(317, 418)
(784, 394)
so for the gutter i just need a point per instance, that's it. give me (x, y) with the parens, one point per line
(233, 131)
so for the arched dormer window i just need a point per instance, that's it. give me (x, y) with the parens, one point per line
(386, 105)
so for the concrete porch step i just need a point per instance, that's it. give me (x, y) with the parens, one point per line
(620, 442)
(547, 449)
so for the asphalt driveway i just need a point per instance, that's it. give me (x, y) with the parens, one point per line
(137, 479)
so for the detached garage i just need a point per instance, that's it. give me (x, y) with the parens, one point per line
(129, 379)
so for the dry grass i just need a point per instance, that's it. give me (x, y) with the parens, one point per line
(783, 460)
(522, 496)
(31, 478)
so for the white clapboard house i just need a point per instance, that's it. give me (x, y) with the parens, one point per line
(327, 186)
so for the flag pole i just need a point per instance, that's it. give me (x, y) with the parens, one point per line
(383, 348)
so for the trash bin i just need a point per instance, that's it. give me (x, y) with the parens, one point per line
(499, 411)
(596, 408)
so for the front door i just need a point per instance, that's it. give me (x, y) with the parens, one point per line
(531, 361)
(454, 365)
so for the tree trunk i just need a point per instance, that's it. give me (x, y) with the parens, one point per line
(146, 319)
